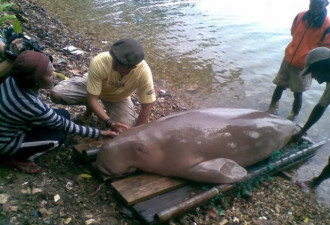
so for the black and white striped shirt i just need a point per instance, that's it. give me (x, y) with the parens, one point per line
(21, 109)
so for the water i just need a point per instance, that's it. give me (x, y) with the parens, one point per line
(219, 53)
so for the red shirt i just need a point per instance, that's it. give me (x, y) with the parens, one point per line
(307, 36)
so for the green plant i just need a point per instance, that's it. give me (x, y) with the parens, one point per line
(4, 16)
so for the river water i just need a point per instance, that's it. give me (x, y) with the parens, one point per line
(219, 53)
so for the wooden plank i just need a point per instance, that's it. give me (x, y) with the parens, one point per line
(138, 188)
(90, 145)
(149, 208)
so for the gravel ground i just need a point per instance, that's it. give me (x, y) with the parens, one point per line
(67, 192)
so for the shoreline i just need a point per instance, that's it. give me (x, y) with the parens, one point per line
(276, 201)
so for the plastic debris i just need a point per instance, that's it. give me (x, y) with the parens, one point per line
(73, 50)
(85, 175)
(61, 75)
(69, 185)
(306, 220)
(57, 197)
(162, 92)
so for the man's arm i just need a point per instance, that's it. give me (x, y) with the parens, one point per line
(144, 114)
(95, 106)
(315, 115)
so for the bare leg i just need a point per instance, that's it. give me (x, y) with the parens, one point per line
(56, 98)
(296, 106)
(275, 99)
(325, 174)
(316, 181)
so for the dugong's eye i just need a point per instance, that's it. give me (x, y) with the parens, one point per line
(139, 147)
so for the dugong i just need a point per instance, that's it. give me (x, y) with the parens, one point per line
(210, 145)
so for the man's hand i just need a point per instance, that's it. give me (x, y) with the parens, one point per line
(118, 127)
(109, 133)
(297, 137)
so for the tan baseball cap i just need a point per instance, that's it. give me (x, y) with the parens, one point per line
(315, 55)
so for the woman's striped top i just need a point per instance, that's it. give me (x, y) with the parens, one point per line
(20, 110)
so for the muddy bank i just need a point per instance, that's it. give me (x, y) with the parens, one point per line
(67, 192)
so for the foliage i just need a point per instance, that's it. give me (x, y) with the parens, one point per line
(4, 16)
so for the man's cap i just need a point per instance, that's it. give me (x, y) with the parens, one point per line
(128, 52)
(315, 55)
(28, 66)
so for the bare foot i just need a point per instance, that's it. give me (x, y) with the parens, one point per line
(306, 186)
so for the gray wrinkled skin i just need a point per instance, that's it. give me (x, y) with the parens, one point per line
(206, 145)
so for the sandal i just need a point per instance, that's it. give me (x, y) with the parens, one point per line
(26, 167)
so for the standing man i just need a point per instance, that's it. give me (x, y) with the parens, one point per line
(310, 29)
(318, 65)
(112, 77)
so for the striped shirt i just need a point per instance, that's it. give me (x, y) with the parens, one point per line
(21, 109)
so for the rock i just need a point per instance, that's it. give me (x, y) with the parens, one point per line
(4, 198)
(223, 222)
(47, 220)
(36, 190)
(90, 221)
(67, 221)
(13, 208)
(43, 212)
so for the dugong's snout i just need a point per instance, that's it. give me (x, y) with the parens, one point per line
(113, 161)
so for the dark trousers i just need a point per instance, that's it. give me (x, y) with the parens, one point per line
(41, 139)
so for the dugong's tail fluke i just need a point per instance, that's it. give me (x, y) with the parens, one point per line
(218, 170)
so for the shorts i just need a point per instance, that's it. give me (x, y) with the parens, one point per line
(74, 92)
(288, 77)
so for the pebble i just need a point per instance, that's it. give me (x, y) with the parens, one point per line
(223, 222)
(90, 221)
(3, 198)
(13, 208)
(67, 221)
(36, 190)
(47, 220)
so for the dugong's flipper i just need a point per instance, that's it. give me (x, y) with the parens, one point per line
(220, 170)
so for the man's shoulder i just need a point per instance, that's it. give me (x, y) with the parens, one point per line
(102, 56)
(101, 61)
(143, 67)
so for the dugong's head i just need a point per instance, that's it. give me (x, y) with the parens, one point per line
(116, 157)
